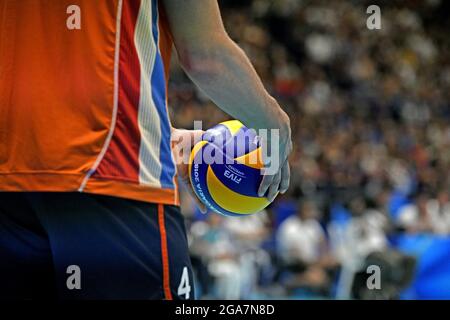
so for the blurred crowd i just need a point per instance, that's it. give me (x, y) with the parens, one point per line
(370, 113)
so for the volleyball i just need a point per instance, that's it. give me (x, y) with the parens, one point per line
(225, 169)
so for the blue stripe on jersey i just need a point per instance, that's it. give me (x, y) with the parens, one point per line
(159, 98)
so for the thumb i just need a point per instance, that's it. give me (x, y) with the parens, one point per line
(200, 204)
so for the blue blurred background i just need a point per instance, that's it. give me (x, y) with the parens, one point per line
(370, 111)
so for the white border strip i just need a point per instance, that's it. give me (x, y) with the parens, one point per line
(149, 122)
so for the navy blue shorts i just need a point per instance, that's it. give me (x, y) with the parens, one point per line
(82, 246)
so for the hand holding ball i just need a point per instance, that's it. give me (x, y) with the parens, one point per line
(225, 170)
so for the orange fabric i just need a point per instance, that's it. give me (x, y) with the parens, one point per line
(57, 98)
(164, 253)
(56, 182)
(132, 191)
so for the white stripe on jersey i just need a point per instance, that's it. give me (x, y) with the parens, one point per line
(150, 166)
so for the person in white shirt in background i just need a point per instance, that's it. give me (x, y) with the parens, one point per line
(214, 244)
(248, 233)
(426, 214)
(354, 241)
(303, 247)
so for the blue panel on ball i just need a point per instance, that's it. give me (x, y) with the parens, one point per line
(243, 142)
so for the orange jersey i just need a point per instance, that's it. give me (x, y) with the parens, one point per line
(83, 88)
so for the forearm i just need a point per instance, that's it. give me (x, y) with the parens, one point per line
(222, 70)
(224, 73)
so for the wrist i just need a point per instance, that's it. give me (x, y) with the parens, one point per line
(273, 118)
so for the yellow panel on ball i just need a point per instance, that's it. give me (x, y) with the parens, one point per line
(233, 126)
(194, 151)
(252, 159)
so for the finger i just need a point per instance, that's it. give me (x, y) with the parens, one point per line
(194, 196)
(200, 204)
(202, 208)
(274, 187)
(197, 136)
(285, 177)
(265, 184)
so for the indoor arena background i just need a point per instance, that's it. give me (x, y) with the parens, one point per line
(370, 169)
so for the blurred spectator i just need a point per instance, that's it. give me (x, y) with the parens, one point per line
(248, 233)
(426, 214)
(367, 229)
(301, 238)
(304, 250)
(213, 245)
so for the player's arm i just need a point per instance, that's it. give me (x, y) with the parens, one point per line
(223, 72)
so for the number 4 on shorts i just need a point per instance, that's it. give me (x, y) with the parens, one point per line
(184, 288)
